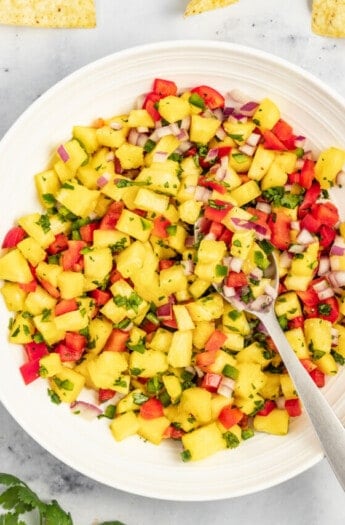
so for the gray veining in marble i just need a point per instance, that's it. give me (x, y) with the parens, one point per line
(31, 61)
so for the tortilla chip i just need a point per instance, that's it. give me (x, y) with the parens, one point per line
(48, 13)
(195, 7)
(328, 18)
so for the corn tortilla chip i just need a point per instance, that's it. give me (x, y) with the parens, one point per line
(48, 13)
(328, 18)
(195, 7)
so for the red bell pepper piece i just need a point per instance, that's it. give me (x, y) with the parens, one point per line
(279, 224)
(75, 341)
(148, 326)
(307, 173)
(215, 341)
(309, 297)
(104, 394)
(333, 305)
(173, 432)
(326, 213)
(293, 407)
(29, 287)
(116, 342)
(218, 212)
(112, 215)
(71, 258)
(151, 409)
(211, 381)
(258, 216)
(52, 290)
(308, 364)
(234, 279)
(310, 197)
(216, 229)
(86, 231)
(35, 350)
(100, 296)
(166, 263)
(58, 245)
(66, 353)
(205, 359)
(150, 105)
(160, 225)
(294, 178)
(212, 184)
(272, 142)
(310, 223)
(115, 276)
(318, 377)
(164, 88)
(267, 408)
(282, 130)
(296, 322)
(170, 323)
(212, 98)
(65, 305)
(13, 237)
(327, 235)
(230, 416)
(226, 236)
(30, 371)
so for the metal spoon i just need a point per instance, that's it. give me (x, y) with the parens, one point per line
(327, 426)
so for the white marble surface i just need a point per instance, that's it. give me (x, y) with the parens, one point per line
(31, 61)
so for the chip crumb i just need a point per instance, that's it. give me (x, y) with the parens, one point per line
(328, 18)
(196, 7)
(48, 13)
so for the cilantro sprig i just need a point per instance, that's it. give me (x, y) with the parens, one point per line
(18, 499)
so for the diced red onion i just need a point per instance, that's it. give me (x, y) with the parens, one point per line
(325, 294)
(305, 237)
(142, 129)
(139, 102)
(202, 194)
(199, 372)
(218, 113)
(340, 179)
(299, 164)
(271, 291)
(336, 279)
(163, 131)
(249, 108)
(236, 264)
(280, 402)
(261, 231)
(185, 123)
(256, 273)
(285, 259)
(264, 206)
(238, 303)
(184, 146)
(142, 139)
(297, 248)
(220, 173)
(337, 250)
(133, 137)
(183, 135)
(220, 134)
(212, 154)
(320, 286)
(229, 291)
(261, 303)
(226, 387)
(86, 410)
(299, 141)
(116, 125)
(165, 312)
(253, 139)
(188, 267)
(247, 150)
(228, 110)
(295, 225)
(103, 179)
(160, 156)
(63, 153)
(110, 156)
(324, 265)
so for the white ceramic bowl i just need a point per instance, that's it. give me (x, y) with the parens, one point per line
(103, 88)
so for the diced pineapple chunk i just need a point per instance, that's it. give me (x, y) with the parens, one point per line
(276, 422)
(124, 425)
(204, 442)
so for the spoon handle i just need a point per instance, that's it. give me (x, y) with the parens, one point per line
(327, 426)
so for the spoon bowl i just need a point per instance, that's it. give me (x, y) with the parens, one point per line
(328, 427)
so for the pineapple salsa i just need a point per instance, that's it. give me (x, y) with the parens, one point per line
(112, 295)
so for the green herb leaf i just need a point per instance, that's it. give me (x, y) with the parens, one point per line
(232, 441)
